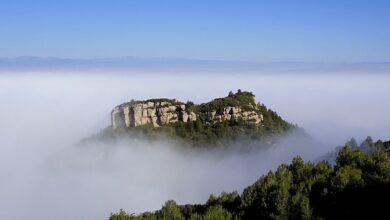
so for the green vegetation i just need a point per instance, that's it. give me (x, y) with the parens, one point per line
(245, 100)
(356, 187)
(202, 133)
(170, 101)
(367, 146)
(272, 122)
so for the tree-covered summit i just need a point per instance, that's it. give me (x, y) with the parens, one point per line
(243, 99)
(218, 122)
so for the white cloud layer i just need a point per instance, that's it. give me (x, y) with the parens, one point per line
(43, 174)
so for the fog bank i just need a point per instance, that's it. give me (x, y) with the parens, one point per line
(45, 174)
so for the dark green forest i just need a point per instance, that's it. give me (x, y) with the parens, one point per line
(356, 186)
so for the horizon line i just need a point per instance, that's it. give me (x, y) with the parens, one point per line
(185, 59)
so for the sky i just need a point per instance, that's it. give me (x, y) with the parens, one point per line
(269, 30)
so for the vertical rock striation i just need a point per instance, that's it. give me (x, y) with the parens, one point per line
(152, 112)
(158, 112)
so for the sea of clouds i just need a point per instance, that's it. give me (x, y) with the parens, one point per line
(46, 174)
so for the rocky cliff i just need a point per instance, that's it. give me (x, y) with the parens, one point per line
(241, 106)
(156, 112)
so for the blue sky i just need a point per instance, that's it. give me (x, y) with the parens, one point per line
(269, 30)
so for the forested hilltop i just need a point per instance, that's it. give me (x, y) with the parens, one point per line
(237, 116)
(357, 186)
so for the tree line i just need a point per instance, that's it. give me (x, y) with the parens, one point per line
(356, 186)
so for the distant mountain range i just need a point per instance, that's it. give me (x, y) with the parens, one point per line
(136, 63)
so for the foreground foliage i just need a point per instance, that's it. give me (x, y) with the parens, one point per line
(356, 186)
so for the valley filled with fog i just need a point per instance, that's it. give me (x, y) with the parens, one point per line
(45, 173)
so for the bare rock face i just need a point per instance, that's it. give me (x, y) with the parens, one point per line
(232, 113)
(158, 112)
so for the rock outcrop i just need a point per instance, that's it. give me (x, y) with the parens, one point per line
(154, 112)
(231, 113)
(159, 112)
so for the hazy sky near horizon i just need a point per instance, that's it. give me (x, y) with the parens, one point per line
(304, 30)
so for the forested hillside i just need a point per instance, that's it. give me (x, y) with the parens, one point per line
(216, 123)
(356, 186)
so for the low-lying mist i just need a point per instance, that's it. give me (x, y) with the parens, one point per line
(45, 173)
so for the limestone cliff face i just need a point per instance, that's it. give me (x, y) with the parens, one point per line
(158, 112)
(231, 113)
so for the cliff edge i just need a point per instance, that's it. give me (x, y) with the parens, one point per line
(220, 122)
(240, 106)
